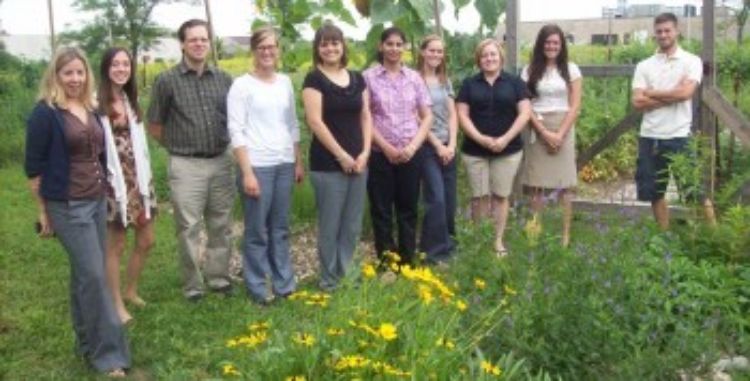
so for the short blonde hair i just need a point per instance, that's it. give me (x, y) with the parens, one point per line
(50, 89)
(485, 43)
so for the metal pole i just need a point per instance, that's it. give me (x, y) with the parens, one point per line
(215, 54)
(52, 42)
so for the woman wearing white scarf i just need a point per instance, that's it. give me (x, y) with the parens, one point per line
(131, 199)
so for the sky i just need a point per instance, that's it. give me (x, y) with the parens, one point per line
(234, 17)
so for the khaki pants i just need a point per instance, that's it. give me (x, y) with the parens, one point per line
(202, 191)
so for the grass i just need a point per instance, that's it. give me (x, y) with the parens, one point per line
(598, 311)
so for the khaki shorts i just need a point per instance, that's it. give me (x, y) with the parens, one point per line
(492, 175)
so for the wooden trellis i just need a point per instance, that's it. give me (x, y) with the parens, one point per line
(712, 105)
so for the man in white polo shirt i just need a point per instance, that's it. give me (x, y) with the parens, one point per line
(663, 86)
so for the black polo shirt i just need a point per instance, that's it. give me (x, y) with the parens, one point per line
(492, 109)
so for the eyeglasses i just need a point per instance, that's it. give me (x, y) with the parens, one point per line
(266, 48)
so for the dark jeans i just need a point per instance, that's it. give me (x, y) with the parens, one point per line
(396, 186)
(439, 198)
(655, 156)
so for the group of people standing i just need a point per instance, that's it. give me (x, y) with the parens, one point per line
(389, 134)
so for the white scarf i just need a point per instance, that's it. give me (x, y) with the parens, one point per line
(142, 163)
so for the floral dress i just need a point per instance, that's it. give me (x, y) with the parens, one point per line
(135, 213)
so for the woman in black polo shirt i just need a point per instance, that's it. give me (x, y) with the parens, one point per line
(337, 111)
(493, 108)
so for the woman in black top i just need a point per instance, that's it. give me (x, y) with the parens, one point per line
(493, 108)
(337, 111)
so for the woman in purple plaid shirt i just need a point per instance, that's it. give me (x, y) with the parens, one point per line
(400, 105)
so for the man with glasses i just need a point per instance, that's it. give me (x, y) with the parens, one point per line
(187, 115)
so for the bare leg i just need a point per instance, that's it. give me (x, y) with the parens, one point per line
(115, 247)
(537, 200)
(480, 208)
(500, 207)
(661, 213)
(566, 203)
(144, 240)
(476, 207)
(708, 210)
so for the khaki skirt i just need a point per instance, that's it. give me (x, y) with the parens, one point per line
(550, 171)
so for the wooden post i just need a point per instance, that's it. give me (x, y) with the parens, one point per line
(438, 26)
(708, 120)
(214, 53)
(511, 36)
(52, 42)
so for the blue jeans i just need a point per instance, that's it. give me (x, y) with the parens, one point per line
(340, 199)
(439, 197)
(80, 225)
(266, 239)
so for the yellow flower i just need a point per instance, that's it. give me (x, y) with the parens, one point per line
(351, 362)
(229, 370)
(479, 283)
(387, 369)
(335, 332)
(363, 344)
(295, 378)
(394, 266)
(298, 295)
(368, 271)
(305, 339)
(252, 340)
(231, 343)
(321, 303)
(425, 294)
(461, 305)
(391, 256)
(388, 331)
(490, 368)
(533, 230)
(446, 343)
(509, 290)
(258, 326)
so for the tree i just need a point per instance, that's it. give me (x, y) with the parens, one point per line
(292, 15)
(126, 22)
(417, 17)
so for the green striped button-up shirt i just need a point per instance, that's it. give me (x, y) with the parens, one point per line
(193, 110)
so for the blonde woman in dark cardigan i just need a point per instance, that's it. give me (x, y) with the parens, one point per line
(66, 166)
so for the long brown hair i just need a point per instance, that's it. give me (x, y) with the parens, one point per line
(441, 70)
(106, 95)
(538, 64)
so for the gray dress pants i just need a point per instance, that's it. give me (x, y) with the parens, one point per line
(80, 225)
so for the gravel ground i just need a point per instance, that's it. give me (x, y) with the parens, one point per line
(304, 255)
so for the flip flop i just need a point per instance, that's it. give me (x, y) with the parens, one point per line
(136, 301)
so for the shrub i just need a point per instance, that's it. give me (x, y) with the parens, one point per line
(625, 302)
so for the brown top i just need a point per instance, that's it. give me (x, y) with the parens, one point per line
(85, 144)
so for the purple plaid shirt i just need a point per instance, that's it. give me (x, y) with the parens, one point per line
(395, 103)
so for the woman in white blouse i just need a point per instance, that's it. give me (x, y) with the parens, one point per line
(265, 141)
(555, 87)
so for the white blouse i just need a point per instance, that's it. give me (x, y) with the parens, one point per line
(552, 91)
(263, 119)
